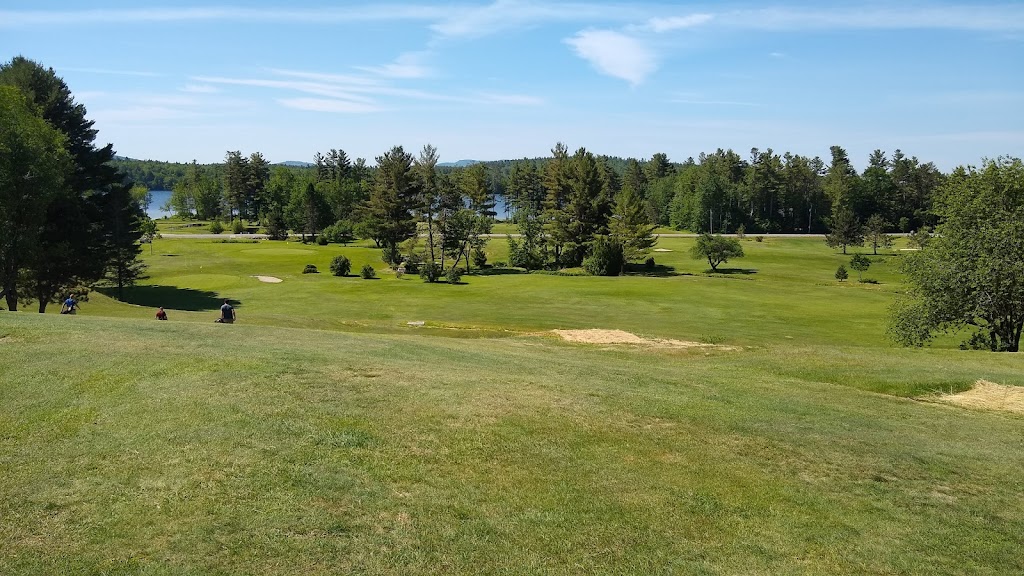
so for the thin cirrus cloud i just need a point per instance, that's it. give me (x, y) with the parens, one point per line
(615, 54)
(408, 65)
(340, 93)
(328, 105)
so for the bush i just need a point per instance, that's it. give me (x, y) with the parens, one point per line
(237, 227)
(413, 262)
(341, 265)
(649, 263)
(606, 258)
(321, 240)
(216, 227)
(741, 232)
(430, 272)
(841, 273)
(454, 275)
(368, 272)
(479, 258)
(759, 238)
(310, 269)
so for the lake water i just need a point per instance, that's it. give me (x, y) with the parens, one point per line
(159, 198)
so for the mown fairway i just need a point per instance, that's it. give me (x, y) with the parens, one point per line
(323, 435)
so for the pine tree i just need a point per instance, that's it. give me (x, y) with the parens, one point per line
(631, 226)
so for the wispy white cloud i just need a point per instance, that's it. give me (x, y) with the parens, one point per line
(479, 21)
(615, 54)
(354, 94)
(469, 20)
(672, 23)
(367, 12)
(316, 88)
(777, 54)
(408, 65)
(199, 89)
(108, 71)
(979, 17)
(328, 105)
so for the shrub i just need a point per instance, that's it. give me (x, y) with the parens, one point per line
(310, 269)
(368, 272)
(341, 265)
(430, 272)
(759, 238)
(606, 258)
(479, 258)
(413, 262)
(237, 227)
(454, 275)
(649, 263)
(741, 232)
(216, 227)
(841, 273)
(321, 240)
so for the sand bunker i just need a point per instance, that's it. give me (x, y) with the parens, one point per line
(662, 250)
(989, 396)
(268, 279)
(598, 336)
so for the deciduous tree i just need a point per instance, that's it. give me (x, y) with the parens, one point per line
(971, 274)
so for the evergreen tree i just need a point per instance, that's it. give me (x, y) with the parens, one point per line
(236, 183)
(392, 200)
(33, 167)
(874, 233)
(846, 230)
(87, 185)
(631, 226)
(124, 217)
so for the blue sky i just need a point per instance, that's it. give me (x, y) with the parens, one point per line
(508, 79)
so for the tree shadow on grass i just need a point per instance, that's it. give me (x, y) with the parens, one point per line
(658, 271)
(496, 271)
(732, 271)
(170, 297)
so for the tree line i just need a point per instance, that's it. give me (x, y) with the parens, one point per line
(67, 218)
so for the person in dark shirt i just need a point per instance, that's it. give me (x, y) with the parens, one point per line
(227, 313)
(70, 305)
(160, 314)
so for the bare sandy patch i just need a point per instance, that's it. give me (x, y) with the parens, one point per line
(599, 336)
(989, 396)
(269, 279)
(662, 250)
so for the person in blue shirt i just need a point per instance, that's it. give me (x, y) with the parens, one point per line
(70, 305)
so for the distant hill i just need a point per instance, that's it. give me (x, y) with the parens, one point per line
(296, 163)
(459, 164)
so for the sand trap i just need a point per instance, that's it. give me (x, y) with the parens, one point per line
(268, 279)
(598, 336)
(989, 396)
(910, 249)
(662, 250)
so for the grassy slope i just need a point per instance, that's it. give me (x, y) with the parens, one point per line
(173, 448)
(188, 447)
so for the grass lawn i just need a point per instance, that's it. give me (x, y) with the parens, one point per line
(322, 435)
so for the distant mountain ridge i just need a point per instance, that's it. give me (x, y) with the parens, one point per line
(458, 164)
(296, 163)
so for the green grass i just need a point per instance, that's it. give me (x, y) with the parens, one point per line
(323, 435)
(175, 448)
